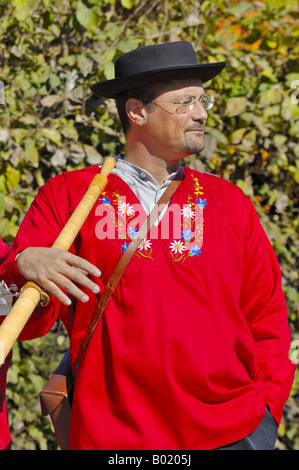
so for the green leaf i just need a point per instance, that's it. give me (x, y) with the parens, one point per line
(244, 186)
(21, 82)
(8, 228)
(31, 154)
(279, 140)
(271, 96)
(37, 381)
(3, 188)
(55, 81)
(240, 9)
(83, 63)
(219, 136)
(21, 9)
(236, 105)
(2, 205)
(52, 134)
(236, 136)
(292, 294)
(205, 6)
(87, 17)
(249, 139)
(128, 4)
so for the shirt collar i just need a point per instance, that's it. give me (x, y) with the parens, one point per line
(137, 172)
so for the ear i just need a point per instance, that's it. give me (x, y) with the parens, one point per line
(135, 111)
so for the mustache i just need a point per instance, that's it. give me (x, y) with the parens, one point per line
(196, 127)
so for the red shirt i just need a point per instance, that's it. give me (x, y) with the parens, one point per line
(4, 429)
(194, 342)
(4, 250)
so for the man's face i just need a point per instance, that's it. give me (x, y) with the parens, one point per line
(170, 134)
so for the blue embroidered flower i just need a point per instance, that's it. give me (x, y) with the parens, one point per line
(187, 235)
(201, 202)
(104, 200)
(124, 247)
(132, 232)
(194, 250)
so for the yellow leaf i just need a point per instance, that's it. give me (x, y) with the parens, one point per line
(272, 44)
(13, 177)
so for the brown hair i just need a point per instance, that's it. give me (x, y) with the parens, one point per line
(144, 94)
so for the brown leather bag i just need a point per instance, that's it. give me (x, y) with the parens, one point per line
(56, 400)
(56, 396)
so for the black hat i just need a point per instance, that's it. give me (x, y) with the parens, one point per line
(160, 62)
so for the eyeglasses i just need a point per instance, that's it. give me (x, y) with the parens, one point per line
(182, 107)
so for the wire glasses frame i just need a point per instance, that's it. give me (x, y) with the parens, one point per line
(182, 107)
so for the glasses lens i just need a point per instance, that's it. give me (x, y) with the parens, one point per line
(207, 101)
(186, 106)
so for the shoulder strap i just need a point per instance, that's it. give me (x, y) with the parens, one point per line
(121, 265)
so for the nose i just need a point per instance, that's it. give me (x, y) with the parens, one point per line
(199, 113)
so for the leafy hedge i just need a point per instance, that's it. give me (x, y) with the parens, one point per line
(52, 51)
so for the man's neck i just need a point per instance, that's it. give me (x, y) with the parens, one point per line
(159, 168)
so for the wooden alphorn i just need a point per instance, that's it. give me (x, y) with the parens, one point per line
(30, 295)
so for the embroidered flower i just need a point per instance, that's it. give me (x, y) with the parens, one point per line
(201, 202)
(146, 244)
(197, 188)
(124, 247)
(132, 232)
(177, 246)
(187, 212)
(187, 235)
(194, 251)
(125, 208)
(104, 200)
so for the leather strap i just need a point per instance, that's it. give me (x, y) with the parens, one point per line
(123, 262)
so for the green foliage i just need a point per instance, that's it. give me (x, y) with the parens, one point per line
(52, 51)
(32, 365)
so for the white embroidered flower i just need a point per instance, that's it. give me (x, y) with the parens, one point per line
(145, 244)
(187, 212)
(125, 208)
(177, 246)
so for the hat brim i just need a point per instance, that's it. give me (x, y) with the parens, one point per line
(112, 88)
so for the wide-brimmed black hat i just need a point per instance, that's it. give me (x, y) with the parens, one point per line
(150, 64)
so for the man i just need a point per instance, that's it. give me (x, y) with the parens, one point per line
(192, 350)
(4, 428)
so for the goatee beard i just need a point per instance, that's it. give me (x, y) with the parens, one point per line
(194, 145)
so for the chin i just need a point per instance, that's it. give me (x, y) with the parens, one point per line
(195, 145)
(195, 149)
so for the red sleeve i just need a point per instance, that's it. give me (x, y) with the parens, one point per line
(263, 304)
(4, 250)
(42, 224)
